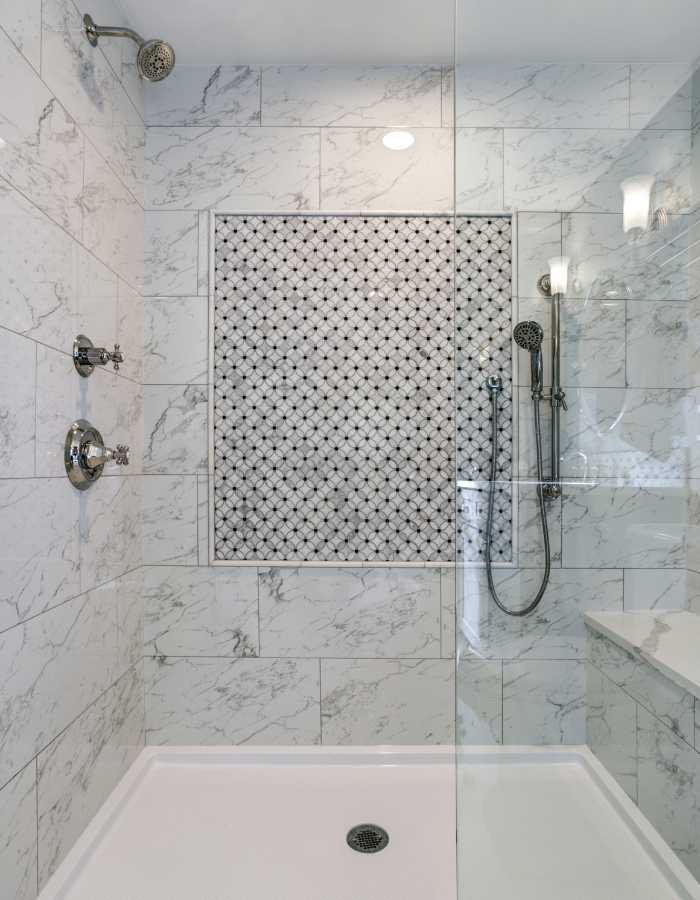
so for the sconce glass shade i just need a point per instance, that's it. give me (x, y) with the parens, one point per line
(559, 274)
(636, 205)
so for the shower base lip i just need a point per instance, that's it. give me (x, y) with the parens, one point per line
(271, 822)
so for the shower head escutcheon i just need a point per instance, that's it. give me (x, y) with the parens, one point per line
(529, 336)
(155, 59)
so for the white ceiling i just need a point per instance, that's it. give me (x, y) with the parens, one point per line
(401, 31)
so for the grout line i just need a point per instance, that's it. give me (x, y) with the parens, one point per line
(320, 702)
(36, 801)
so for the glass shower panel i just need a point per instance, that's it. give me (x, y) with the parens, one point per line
(595, 167)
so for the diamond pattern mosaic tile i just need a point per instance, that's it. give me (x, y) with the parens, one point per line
(335, 378)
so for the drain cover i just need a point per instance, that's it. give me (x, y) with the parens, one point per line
(367, 838)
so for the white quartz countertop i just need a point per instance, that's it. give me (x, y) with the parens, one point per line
(669, 641)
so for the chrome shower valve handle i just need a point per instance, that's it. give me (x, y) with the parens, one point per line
(86, 356)
(86, 454)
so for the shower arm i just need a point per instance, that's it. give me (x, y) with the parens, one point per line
(94, 32)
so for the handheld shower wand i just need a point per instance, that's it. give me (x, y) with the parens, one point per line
(529, 336)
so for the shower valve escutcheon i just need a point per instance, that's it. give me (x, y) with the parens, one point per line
(86, 454)
(86, 356)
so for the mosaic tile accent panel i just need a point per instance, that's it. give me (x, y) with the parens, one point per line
(334, 383)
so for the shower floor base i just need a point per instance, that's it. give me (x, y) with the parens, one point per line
(271, 824)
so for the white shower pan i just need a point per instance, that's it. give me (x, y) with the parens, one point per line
(271, 824)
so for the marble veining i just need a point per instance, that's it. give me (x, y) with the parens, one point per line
(18, 838)
(611, 728)
(232, 701)
(175, 426)
(176, 350)
(21, 20)
(170, 519)
(543, 702)
(170, 259)
(479, 702)
(205, 95)
(350, 612)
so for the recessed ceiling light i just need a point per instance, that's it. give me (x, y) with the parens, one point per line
(398, 140)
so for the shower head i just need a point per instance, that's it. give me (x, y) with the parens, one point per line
(155, 59)
(529, 336)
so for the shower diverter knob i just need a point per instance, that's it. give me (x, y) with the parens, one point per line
(86, 455)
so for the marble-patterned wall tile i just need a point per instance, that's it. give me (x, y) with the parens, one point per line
(625, 432)
(544, 702)
(203, 491)
(581, 169)
(359, 172)
(611, 526)
(237, 168)
(192, 700)
(607, 264)
(660, 96)
(86, 85)
(668, 794)
(529, 528)
(120, 54)
(176, 349)
(170, 519)
(657, 344)
(448, 97)
(17, 422)
(382, 701)
(350, 612)
(656, 589)
(611, 728)
(130, 333)
(538, 238)
(205, 95)
(557, 631)
(380, 96)
(170, 259)
(53, 288)
(662, 697)
(479, 170)
(130, 618)
(479, 702)
(201, 611)
(21, 20)
(448, 607)
(110, 530)
(42, 151)
(571, 95)
(175, 428)
(18, 841)
(40, 561)
(204, 223)
(51, 668)
(78, 770)
(112, 220)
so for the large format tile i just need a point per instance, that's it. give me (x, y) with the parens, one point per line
(610, 526)
(656, 589)
(384, 96)
(555, 631)
(51, 668)
(78, 770)
(359, 172)
(581, 169)
(479, 701)
(350, 612)
(669, 796)
(175, 428)
(658, 351)
(52, 287)
(176, 341)
(21, 19)
(232, 701)
(17, 420)
(170, 519)
(611, 728)
(664, 699)
(42, 150)
(538, 239)
(40, 559)
(205, 95)
(232, 168)
(201, 611)
(381, 701)
(660, 96)
(544, 702)
(18, 832)
(479, 170)
(571, 95)
(627, 433)
(170, 260)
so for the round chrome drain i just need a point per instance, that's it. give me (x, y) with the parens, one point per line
(367, 838)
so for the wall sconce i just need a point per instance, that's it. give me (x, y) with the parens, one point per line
(636, 206)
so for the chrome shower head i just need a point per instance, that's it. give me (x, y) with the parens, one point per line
(155, 59)
(529, 336)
